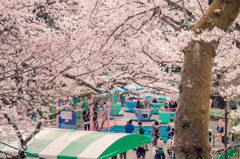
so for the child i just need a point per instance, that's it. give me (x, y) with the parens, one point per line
(141, 152)
(141, 131)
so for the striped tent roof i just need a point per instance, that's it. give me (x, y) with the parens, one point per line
(60, 143)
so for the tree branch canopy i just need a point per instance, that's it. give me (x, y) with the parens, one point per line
(221, 14)
(192, 117)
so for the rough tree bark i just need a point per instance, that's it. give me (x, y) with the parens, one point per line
(191, 134)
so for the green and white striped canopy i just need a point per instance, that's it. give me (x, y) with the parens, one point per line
(69, 144)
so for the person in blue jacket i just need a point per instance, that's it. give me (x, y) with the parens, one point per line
(129, 127)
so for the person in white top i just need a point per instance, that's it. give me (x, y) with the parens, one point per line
(159, 150)
(89, 101)
(171, 124)
(169, 146)
(104, 105)
(100, 118)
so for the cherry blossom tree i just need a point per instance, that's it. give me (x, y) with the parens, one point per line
(50, 44)
(196, 81)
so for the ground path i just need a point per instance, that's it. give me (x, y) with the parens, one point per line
(131, 154)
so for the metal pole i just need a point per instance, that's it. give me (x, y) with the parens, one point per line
(91, 114)
(228, 104)
(57, 109)
(108, 110)
(213, 141)
(225, 135)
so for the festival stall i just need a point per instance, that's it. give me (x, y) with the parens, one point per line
(75, 144)
(68, 119)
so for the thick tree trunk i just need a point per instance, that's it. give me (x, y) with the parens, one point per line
(192, 118)
(191, 137)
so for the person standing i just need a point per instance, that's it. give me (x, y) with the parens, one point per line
(173, 153)
(100, 116)
(86, 119)
(141, 152)
(159, 151)
(141, 131)
(220, 131)
(129, 127)
(155, 131)
(169, 146)
(123, 155)
(95, 124)
(89, 101)
(114, 157)
(171, 124)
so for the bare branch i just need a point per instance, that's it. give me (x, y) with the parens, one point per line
(185, 14)
(200, 7)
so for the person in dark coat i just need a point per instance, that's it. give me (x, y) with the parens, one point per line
(172, 106)
(138, 105)
(86, 119)
(129, 127)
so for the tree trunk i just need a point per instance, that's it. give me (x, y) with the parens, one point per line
(192, 117)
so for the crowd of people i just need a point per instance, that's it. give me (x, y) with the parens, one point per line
(171, 106)
(98, 117)
(157, 141)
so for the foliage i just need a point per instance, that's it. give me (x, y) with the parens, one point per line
(51, 44)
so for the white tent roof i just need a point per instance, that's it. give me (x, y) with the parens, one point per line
(60, 143)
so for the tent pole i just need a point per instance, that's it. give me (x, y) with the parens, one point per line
(150, 147)
(108, 110)
(57, 109)
(91, 113)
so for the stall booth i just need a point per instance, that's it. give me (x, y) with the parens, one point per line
(69, 119)
(76, 144)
